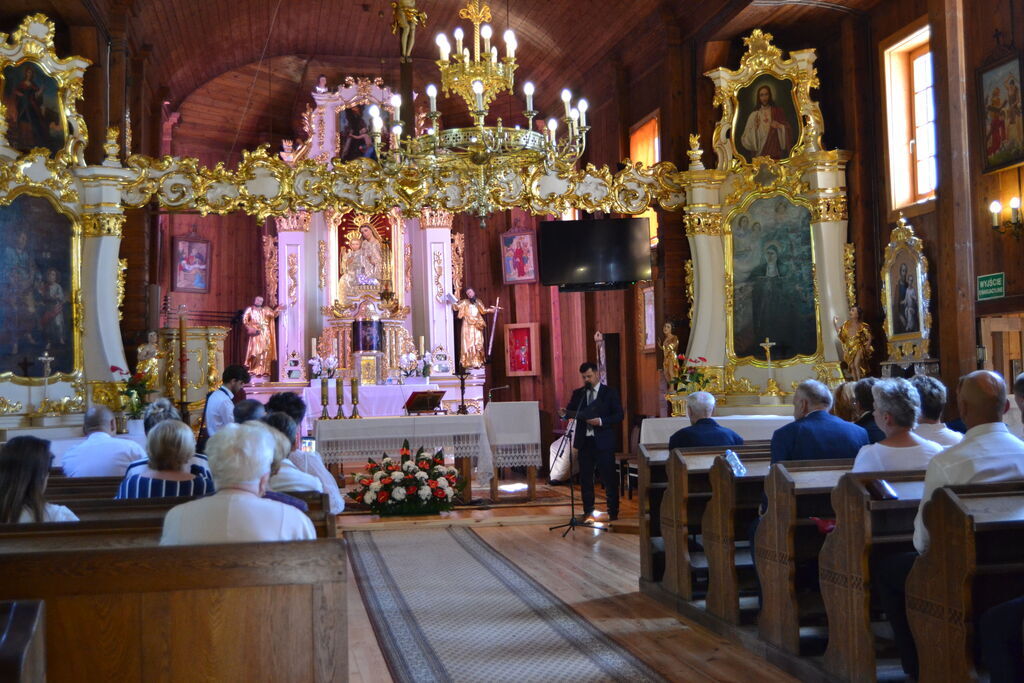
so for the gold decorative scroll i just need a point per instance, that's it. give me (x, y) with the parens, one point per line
(270, 267)
(321, 252)
(849, 265)
(829, 208)
(293, 279)
(9, 407)
(703, 223)
(438, 259)
(108, 394)
(102, 224)
(122, 270)
(458, 264)
(688, 270)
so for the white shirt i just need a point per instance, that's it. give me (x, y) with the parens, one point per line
(51, 513)
(234, 516)
(878, 458)
(987, 453)
(939, 433)
(220, 410)
(313, 464)
(101, 455)
(291, 478)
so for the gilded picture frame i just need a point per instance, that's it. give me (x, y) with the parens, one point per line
(906, 295)
(518, 257)
(646, 326)
(999, 114)
(765, 120)
(192, 264)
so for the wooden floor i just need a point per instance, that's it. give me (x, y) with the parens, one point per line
(596, 574)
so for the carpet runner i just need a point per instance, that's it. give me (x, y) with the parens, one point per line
(446, 606)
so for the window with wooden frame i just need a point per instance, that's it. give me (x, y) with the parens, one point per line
(645, 147)
(910, 116)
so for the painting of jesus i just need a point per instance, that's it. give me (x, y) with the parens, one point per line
(766, 120)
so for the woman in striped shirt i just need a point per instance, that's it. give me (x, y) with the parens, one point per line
(168, 473)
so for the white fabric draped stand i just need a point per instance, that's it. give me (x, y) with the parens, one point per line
(513, 428)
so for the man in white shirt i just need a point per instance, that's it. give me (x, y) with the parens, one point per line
(933, 399)
(220, 404)
(101, 455)
(988, 453)
(240, 457)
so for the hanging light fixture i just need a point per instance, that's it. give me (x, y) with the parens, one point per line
(484, 160)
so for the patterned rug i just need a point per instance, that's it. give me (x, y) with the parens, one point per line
(446, 606)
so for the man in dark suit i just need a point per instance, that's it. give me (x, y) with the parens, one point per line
(703, 431)
(597, 410)
(815, 434)
(866, 402)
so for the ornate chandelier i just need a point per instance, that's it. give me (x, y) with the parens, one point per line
(485, 161)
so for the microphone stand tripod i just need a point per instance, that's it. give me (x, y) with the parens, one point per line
(573, 521)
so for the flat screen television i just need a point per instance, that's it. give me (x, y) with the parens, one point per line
(580, 256)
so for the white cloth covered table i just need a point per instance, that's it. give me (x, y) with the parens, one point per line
(657, 430)
(513, 429)
(375, 400)
(353, 441)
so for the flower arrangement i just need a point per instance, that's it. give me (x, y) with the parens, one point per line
(135, 392)
(414, 365)
(318, 366)
(689, 377)
(408, 485)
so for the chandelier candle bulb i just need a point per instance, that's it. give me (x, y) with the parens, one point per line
(566, 99)
(528, 91)
(397, 132)
(443, 46)
(478, 90)
(583, 106)
(1015, 209)
(396, 102)
(378, 124)
(552, 129)
(510, 44)
(494, 54)
(574, 120)
(432, 95)
(458, 40)
(995, 208)
(486, 33)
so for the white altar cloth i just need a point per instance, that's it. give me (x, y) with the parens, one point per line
(657, 430)
(353, 441)
(513, 428)
(375, 400)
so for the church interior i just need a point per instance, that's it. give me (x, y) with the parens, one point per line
(514, 340)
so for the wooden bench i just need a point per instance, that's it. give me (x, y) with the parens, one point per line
(651, 484)
(682, 511)
(975, 560)
(66, 488)
(787, 536)
(865, 528)
(260, 611)
(727, 518)
(22, 641)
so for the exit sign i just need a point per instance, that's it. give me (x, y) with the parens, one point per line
(991, 286)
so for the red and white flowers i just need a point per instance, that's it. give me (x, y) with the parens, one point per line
(409, 485)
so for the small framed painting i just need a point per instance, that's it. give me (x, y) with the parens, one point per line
(1000, 104)
(191, 264)
(645, 317)
(522, 350)
(518, 257)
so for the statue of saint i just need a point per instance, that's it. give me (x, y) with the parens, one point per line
(471, 313)
(855, 338)
(406, 18)
(259, 324)
(363, 263)
(670, 353)
(148, 362)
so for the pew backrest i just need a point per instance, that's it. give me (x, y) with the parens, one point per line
(22, 641)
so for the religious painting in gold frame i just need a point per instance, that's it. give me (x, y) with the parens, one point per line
(906, 294)
(645, 317)
(766, 123)
(40, 304)
(770, 282)
(38, 91)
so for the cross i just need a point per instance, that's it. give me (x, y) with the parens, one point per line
(767, 346)
(46, 359)
(25, 364)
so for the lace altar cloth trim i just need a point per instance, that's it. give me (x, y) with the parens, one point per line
(516, 455)
(357, 451)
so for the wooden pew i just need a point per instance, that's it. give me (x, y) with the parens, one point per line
(65, 488)
(22, 641)
(651, 484)
(730, 511)
(682, 510)
(259, 611)
(786, 536)
(975, 560)
(865, 528)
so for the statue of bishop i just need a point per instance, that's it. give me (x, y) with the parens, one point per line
(259, 324)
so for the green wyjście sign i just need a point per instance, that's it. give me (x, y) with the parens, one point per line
(992, 286)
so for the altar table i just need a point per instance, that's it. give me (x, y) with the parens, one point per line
(657, 430)
(462, 436)
(513, 428)
(375, 400)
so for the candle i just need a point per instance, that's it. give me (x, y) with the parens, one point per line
(396, 102)
(995, 208)
(182, 354)
(1015, 209)
(324, 397)
(583, 106)
(574, 119)
(566, 99)
(443, 46)
(528, 91)
(458, 40)
(478, 90)
(486, 33)
(432, 95)
(421, 345)
(510, 43)
(339, 396)
(552, 129)
(312, 347)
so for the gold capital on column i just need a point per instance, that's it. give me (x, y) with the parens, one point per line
(102, 224)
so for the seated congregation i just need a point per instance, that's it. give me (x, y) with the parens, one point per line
(863, 533)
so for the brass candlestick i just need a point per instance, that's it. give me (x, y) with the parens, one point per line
(339, 396)
(355, 400)
(324, 399)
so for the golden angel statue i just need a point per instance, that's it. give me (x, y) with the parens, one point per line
(670, 355)
(148, 362)
(471, 313)
(406, 18)
(259, 325)
(855, 338)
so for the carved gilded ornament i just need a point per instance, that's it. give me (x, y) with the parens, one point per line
(688, 270)
(906, 295)
(270, 268)
(765, 175)
(458, 260)
(438, 260)
(122, 270)
(293, 279)
(108, 394)
(9, 407)
(762, 57)
(321, 252)
(213, 375)
(849, 265)
(703, 223)
(102, 224)
(829, 208)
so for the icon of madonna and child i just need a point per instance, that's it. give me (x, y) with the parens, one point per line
(773, 284)
(355, 132)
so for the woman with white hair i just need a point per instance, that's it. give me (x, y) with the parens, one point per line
(897, 408)
(240, 457)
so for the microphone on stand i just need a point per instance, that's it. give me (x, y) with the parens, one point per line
(492, 390)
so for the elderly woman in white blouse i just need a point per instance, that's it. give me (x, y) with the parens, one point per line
(240, 456)
(897, 408)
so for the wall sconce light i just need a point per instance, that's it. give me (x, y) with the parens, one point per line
(1014, 226)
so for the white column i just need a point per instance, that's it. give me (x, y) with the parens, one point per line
(432, 271)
